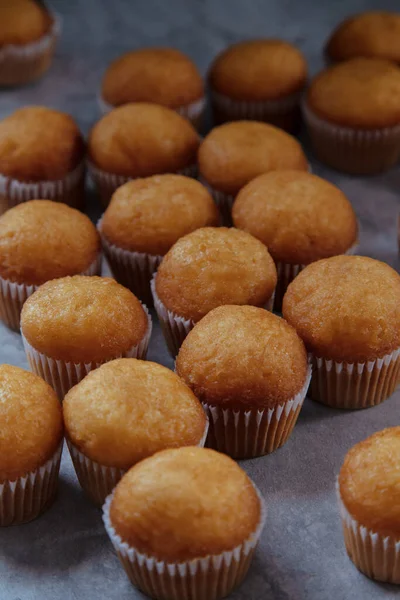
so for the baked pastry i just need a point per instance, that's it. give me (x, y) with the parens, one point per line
(249, 369)
(192, 512)
(42, 240)
(300, 217)
(205, 269)
(347, 311)
(72, 325)
(30, 445)
(144, 219)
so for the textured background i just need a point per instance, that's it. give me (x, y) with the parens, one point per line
(65, 554)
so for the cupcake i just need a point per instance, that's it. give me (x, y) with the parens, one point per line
(352, 111)
(185, 524)
(28, 34)
(299, 217)
(144, 219)
(46, 161)
(369, 501)
(347, 311)
(372, 34)
(72, 325)
(123, 412)
(42, 240)
(30, 445)
(158, 75)
(233, 154)
(140, 140)
(260, 80)
(249, 369)
(205, 269)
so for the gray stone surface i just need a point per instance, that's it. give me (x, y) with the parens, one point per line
(65, 554)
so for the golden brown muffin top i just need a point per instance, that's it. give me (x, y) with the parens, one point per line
(257, 70)
(361, 92)
(346, 308)
(149, 215)
(215, 266)
(83, 319)
(298, 216)
(31, 425)
(42, 240)
(128, 409)
(373, 34)
(369, 482)
(185, 503)
(161, 75)
(234, 153)
(38, 143)
(243, 357)
(22, 22)
(138, 140)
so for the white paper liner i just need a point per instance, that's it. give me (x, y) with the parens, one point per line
(374, 554)
(255, 110)
(32, 50)
(25, 498)
(207, 578)
(354, 385)
(253, 432)
(62, 376)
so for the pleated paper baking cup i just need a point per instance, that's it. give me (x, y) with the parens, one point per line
(27, 497)
(354, 151)
(374, 554)
(13, 296)
(208, 578)
(354, 385)
(224, 202)
(62, 376)
(255, 432)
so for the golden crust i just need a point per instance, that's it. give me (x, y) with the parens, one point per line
(150, 215)
(161, 75)
(257, 70)
(346, 308)
(31, 425)
(243, 357)
(369, 482)
(38, 143)
(184, 504)
(214, 266)
(298, 216)
(233, 154)
(42, 240)
(373, 34)
(139, 140)
(363, 93)
(22, 22)
(83, 319)
(128, 409)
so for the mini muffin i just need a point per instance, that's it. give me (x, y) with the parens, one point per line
(372, 34)
(28, 34)
(145, 218)
(369, 500)
(158, 75)
(260, 80)
(123, 412)
(72, 325)
(41, 156)
(249, 369)
(42, 240)
(299, 217)
(192, 512)
(352, 112)
(347, 311)
(31, 436)
(208, 268)
(233, 154)
(140, 140)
